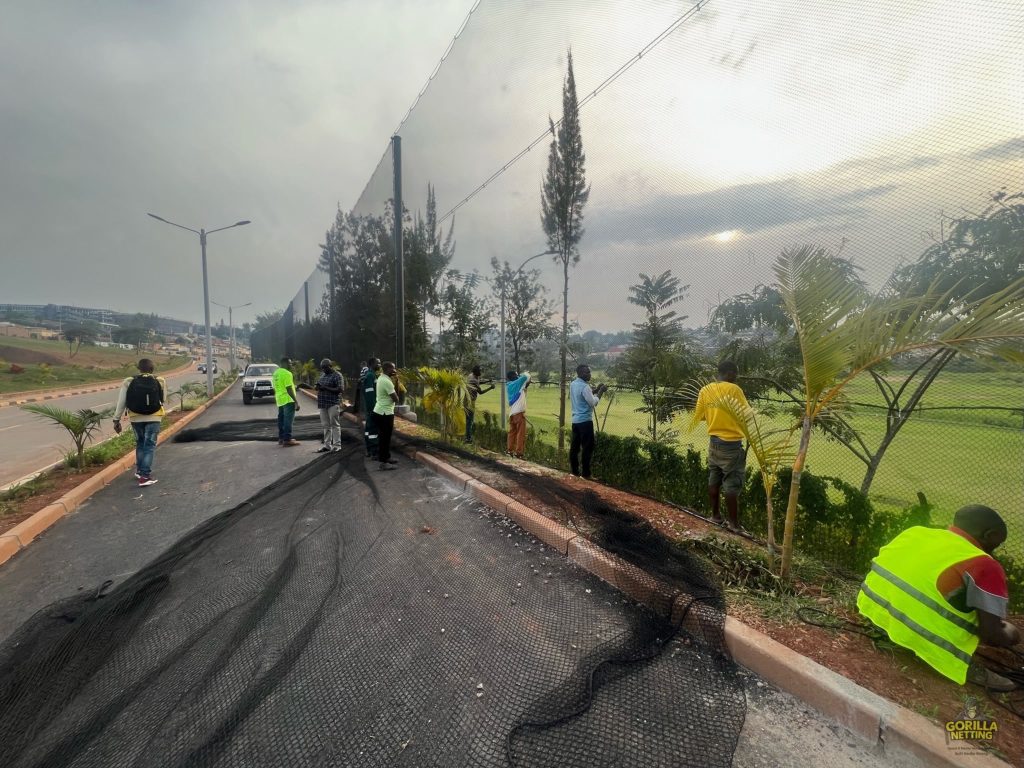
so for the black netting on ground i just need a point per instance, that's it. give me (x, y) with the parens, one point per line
(343, 617)
(303, 428)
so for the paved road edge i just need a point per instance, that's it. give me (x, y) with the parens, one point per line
(25, 532)
(889, 726)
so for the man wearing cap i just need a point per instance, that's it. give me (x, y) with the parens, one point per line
(328, 400)
(940, 592)
(368, 398)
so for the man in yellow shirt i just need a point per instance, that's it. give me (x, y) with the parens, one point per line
(727, 458)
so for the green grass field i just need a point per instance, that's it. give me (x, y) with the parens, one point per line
(47, 365)
(954, 457)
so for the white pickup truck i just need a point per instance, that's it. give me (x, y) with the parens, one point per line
(256, 381)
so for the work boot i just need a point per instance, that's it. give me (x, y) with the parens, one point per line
(981, 675)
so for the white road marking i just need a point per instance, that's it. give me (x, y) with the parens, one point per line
(14, 426)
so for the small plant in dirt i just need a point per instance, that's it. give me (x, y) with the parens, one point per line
(81, 425)
(739, 566)
(187, 391)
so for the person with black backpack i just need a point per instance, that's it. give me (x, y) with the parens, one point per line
(143, 397)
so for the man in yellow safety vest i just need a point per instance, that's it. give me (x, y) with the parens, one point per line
(939, 592)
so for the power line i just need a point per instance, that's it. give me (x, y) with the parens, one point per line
(692, 11)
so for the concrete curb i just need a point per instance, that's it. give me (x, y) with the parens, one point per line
(21, 535)
(21, 398)
(884, 723)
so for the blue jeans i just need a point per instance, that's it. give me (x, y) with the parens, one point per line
(285, 417)
(145, 446)
(470, 415)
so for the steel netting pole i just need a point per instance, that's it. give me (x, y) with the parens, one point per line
(396, 160)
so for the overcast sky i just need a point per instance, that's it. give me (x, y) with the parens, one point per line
(204, 113)
(753, 126)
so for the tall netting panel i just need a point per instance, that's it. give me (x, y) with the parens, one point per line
(887, 139)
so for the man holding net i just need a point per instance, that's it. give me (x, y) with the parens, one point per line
(384, 414)
(368, 396)
(475, 388)
(584, 400)
(727, 459)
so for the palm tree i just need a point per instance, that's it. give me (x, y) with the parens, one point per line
(81, 425)
(842, 336)
(656, 358)
(446, 393)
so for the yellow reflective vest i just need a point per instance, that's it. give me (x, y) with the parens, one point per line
(900, 597)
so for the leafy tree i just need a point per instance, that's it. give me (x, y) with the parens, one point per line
(527, 311)
(81, 425)
(972, 257)
(427, 257)
(77, 333)
(265, 319)
(658, 363)
(137, 336)
(842, 337)
(363, 260)
(468, 316)
(564, 194)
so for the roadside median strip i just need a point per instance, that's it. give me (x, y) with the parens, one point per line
(30, 396)
(21, 535)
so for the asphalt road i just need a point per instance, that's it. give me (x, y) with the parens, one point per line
(121, 529)
(29, 442)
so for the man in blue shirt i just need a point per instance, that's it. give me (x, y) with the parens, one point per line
(583, 400)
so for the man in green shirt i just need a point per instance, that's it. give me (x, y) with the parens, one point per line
(287, 402)
(384, 414)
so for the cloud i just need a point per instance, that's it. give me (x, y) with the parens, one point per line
(1013, 149)
(746, 207)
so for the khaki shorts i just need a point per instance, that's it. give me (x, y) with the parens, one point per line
(727, 465)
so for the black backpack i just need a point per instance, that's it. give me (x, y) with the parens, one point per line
(145, 395)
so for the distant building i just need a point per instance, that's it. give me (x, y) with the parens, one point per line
(614, 353)
(26, 331)
(59, 313)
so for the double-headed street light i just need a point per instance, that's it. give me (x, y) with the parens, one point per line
(231, 325)
(206, 291)
(504, 291)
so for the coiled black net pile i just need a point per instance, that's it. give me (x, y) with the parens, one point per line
(348, 617)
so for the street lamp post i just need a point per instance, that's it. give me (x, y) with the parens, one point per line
(504, 290)
(231, 325)
(206, 291)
